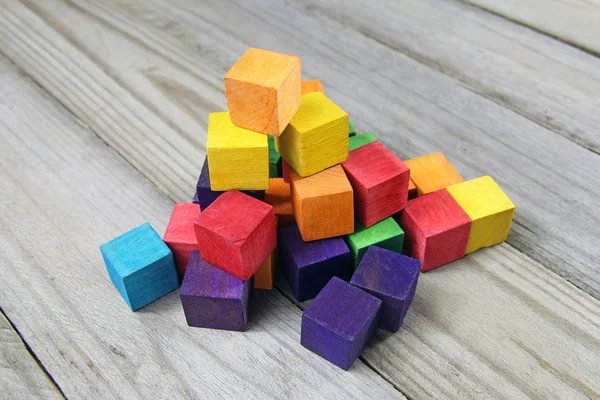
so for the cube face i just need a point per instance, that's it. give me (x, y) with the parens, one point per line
(323, 204)
(386, 234)
(237, 158)
(140, 265)
(180, 235)
(432, 172)
(489, 208)
(308, 266)
(263, 90)
(279, 195)
(274, 160)
(213, 298)
(339, 322)
(264, 277)
(356, 141)
(380, 182)
(317, 136)
(205, 195)
(236, 233)
(436, 229)
(313, 85)
(392, 278)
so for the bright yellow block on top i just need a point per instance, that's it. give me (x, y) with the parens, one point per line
(489, 208)
(237, 158)
(317, 136)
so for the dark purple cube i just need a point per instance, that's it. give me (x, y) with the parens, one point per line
(339, 322)
(205, 196)
(308, 266)
(392, 278)
(195, 199)
(213, 298)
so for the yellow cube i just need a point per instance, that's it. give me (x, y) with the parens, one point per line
(489, 208)
(237, 158)
(317, 136)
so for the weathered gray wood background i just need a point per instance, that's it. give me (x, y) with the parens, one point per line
(103, 111)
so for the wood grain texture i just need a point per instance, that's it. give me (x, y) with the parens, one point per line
(385, 234)
(236, 233)
(312, 85)
(20, 376)
(178, 63)
(436, 229)
(392, 278)
(339, 322)
(502, 292)
(477, 48)
(279, 195)
(379, 180)
(575, 22)
(212, 298)
(432, 172)
(57, 294)
(489, 208)
(263, 90)
(238, 158)
(180, 235)
(323, 204)
(317, 136)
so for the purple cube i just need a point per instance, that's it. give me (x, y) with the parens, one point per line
(205, 196)
(195, 199)
(392, 278)
(338, 324)
(308, 266)
(213, 298)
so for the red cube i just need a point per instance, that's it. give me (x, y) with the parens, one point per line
(436, 229)
(380, 182)
(180, 235)
(236, 233)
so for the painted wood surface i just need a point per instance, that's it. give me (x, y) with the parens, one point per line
(575, 22)
(312, 85)
(432, 172)
(180, 235)
(20, 376)
(145, 99)
(430, 111)
(69, 313)
(279, 195)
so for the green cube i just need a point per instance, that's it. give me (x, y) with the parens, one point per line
(386, 234)
(274, 160)
(351, 130)
(360, 140)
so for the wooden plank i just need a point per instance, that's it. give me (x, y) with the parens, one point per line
(573, 21)
(417, 110)
(504, 296)
(20, 376)
(507, 63)
(65, 193)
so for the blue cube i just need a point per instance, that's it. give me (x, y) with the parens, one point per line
(140, 265)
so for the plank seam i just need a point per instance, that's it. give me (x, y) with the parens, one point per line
(33, 355)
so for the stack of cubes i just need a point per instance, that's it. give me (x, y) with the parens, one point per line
(288, 183)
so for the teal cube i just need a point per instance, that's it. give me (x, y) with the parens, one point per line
(140, 265)
(386, 234)
(360, 140)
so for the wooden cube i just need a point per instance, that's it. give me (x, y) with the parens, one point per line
(338, 324)
(380, 182)
(285, 171)
(386, 234)
(489, 208)
(205, 195)
(213, 298)
(392, 278)
(236, 233)
(237, 158)
(313, 85)
(436, 229)
(263, 90)
(195, 200)
(308, 266)
(279, 195)
(140, 265)
(264, 277)
(317, 136)
(323, 204)
(274, 160)
(180, 235)
(356, 141)
(432, 172)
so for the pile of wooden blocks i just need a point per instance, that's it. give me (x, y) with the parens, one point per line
(288, 184)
